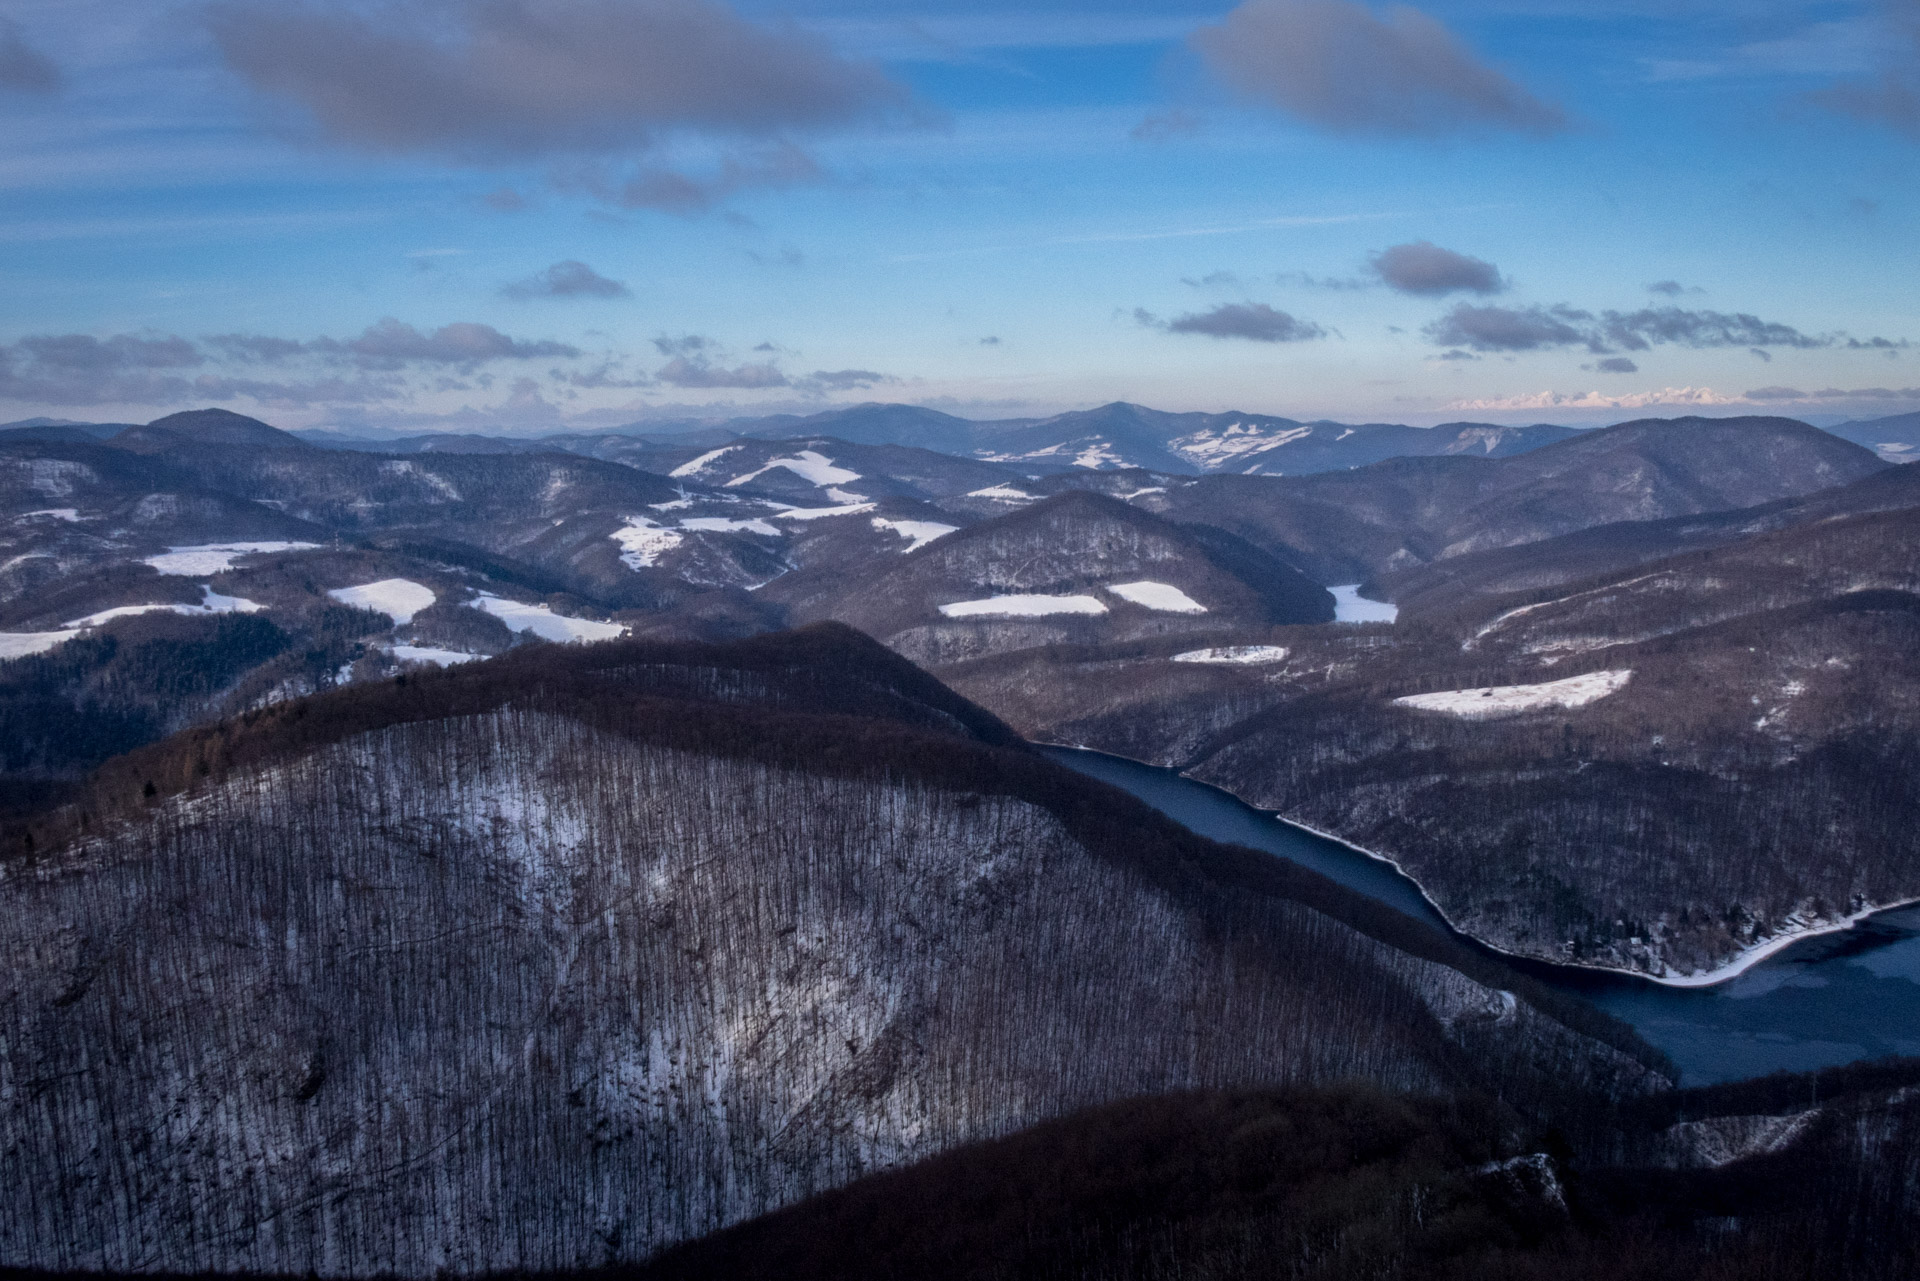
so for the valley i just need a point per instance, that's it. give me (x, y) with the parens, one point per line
(303, 738)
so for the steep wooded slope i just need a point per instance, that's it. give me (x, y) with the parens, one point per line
(1654, 768)
(1081, 548)
(1350, 525)
(554, 960)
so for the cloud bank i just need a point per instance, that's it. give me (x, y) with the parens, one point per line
(1534, 328)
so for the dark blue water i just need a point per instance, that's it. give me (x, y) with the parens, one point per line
(1822, 1002)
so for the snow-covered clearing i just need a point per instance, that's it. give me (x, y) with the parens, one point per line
(1349, 606)
(1003, 493)
(211, 602)
(56, 513)
(398, 598)
(693, 467)
(918, 533)
(1164, 597)
(726, 525)
(213, 558)
(1239, 655)
(809, 464)
(815, 513)
(21, 644)
(543, 622)
(642, 542)
(1214, 449)
(1096, 455)
(428, 654)
(1501, 700)
(1023, 607)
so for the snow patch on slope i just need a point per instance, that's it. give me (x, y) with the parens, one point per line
(398, 598)
(1238, 655)
(809, 464)
(1024, 607)
(643, 542)
(1161, 596)
(918, 533)
(213, 558)
(211, 602)
(1505, 700)
(21, 644)
(543, 622)
(694, 467)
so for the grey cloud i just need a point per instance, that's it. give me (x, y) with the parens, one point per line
(1640, 330)
(1764, 355)
(1456, 354)
(569, 279)
(991, 340)
(682, 371)
(1212, 280)
(524, 77)
(1340, 283)
(846, 379)
(23, 68)
(1254, 321)
(504, 200)
(1335, 64)
(670, 191)
(1424, 268)
(1616, 365)
(1165, 126)
(1671, 288)
(79, 369)
(1508, 328)
(1891, 96)
(684, 345)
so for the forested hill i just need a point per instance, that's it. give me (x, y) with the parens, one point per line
(554, 960)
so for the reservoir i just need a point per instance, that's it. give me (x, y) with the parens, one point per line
(1824, 1001)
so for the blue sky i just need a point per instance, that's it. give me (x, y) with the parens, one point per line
(530, 214)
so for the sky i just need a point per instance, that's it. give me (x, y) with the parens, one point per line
(537, 215)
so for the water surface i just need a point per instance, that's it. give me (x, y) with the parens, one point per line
(1822, 1002)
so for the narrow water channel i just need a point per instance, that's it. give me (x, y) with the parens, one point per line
(1822, 1002)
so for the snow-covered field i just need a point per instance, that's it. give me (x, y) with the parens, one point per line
(428, 654)
(70, 514)
(918, 533)
(695, 466)
(211, 602)
(398, 598)
(543, 622)
(1161, 596)
(809, 464)
(1213, 449)
(1240, 655)
(21, 644)
(212, 558)
(1350, 607)
(1023, 607)
(815, 513)
(1003, 493)
(1501, 700)
(643, 542)
(727, 525)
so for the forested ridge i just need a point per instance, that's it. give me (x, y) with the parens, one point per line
(559, 959)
